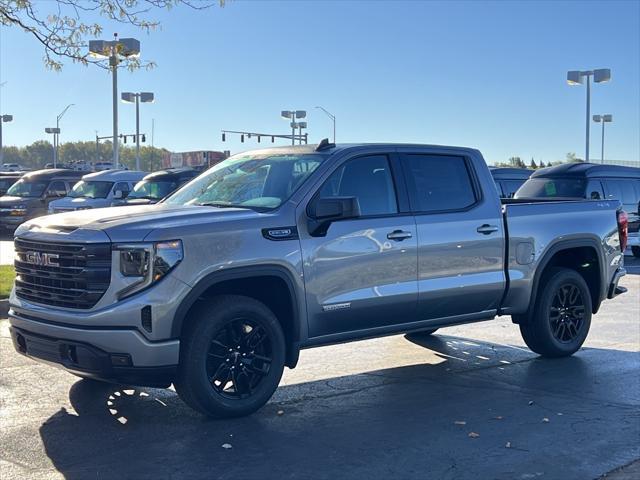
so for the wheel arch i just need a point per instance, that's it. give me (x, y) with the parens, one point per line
(565, 253)
(219, 282)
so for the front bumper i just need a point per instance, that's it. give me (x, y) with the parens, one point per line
(89, 361)
(110, 340)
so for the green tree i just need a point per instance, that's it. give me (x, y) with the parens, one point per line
(542, 165)
(572, 158)
(517, 162)
(533, 164)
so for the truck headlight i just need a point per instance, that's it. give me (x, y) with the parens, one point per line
(149, 262)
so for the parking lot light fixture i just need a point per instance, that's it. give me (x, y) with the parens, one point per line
(55, 131)
(113, 50)
(3, 119)
(577, 77)
(607, 118)
(144, 97)
(293, 115)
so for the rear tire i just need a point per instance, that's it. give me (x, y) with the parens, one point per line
(231, 357)
(561, 314)
(635, 251)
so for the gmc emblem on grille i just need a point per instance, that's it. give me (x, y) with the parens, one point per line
(42, 259)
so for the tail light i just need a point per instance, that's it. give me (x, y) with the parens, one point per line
(623, 229)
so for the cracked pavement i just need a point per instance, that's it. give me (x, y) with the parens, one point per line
(394, 407)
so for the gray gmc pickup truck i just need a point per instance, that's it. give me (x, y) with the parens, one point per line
(217, 288)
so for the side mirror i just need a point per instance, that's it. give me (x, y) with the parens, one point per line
(118, 194)
(324, 211)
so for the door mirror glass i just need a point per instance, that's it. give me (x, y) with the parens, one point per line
(324, 211)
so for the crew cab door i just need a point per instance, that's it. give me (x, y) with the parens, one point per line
(361, 272)
(460, 235)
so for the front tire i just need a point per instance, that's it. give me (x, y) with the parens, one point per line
(231, 357)
(561, 314)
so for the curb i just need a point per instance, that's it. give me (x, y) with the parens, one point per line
(4, 308)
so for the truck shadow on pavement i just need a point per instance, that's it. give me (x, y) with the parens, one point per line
(476, 410)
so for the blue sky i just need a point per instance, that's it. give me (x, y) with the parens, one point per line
(490, 75)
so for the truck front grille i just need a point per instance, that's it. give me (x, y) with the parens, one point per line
(62, 274)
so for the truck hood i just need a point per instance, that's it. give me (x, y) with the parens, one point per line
(130, 223)
(7, 201)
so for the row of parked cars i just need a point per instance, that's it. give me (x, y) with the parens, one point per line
(33, 194)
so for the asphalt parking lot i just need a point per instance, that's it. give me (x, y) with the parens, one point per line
(471, 402)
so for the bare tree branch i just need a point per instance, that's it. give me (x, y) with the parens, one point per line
(64, 29)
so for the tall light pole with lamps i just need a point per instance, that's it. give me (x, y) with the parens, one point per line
(292, 115)
(602, 119)
(56, 136)
(113, 50)
(55, 131)
(576, 77)
(144, 97)
(3, 119)
(333, 119)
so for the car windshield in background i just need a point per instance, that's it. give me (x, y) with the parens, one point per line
(23, 188)
(552, 187)
(250, 181)
(152, 190)
(6, 183)
(91, 189)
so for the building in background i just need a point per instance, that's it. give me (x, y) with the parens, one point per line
(200, 158)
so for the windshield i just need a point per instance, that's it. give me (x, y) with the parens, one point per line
(6, 183)
(91, 189)
(552, 187)
(23, 188)
(152, 190)
(252, 181)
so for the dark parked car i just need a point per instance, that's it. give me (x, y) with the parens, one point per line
(8, 179)
(29, 197)
(157, 185)
(591, 181)
(509, 180)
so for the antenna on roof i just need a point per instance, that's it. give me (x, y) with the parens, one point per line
(324, 145)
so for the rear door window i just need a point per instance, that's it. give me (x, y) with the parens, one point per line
(438, 183)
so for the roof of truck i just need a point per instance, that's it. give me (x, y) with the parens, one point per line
(587, 170)
(49, 173)
(326, 147)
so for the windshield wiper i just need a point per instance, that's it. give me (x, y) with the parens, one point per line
(221, 205)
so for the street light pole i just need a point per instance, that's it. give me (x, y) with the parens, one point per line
(586, 156)
(576, 77)
(113, 63)
(293, 115)
(142, 97)
(602, 119)
(113, 50)
(3, 119)
(56, 136)
(333, 119)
